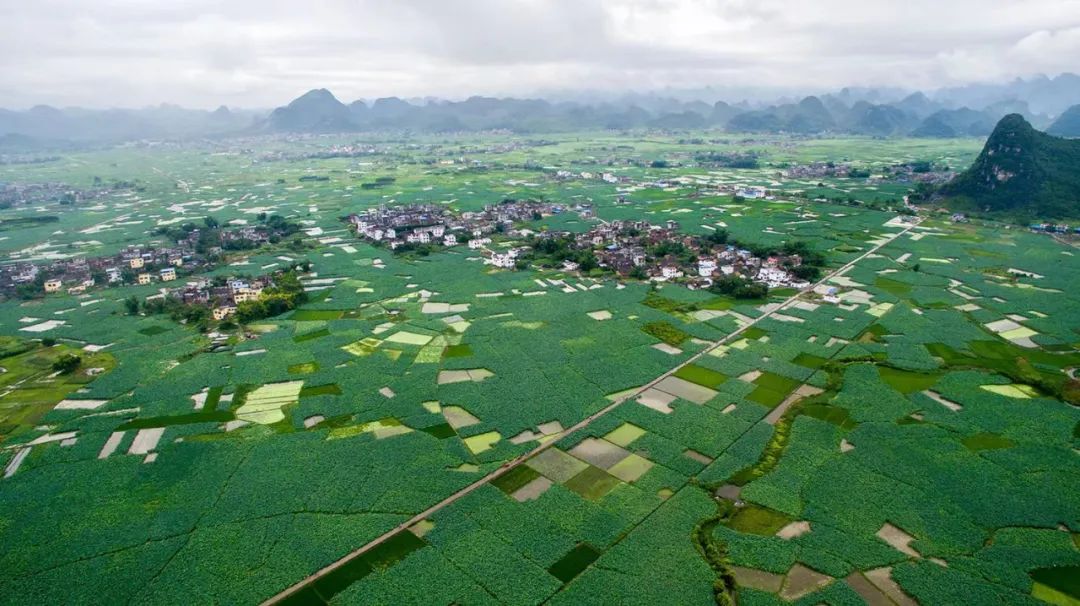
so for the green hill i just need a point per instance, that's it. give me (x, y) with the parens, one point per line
(1020, 171)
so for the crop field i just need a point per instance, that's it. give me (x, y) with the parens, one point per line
(905, 430)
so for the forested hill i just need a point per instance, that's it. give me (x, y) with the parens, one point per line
(1020, 171)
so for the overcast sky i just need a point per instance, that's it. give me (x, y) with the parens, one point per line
(262, 53)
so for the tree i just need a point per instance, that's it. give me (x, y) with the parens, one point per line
(587, 261)
(211, 222)
(131, 305)
(67, 363)
(739, 287)
(810, 273)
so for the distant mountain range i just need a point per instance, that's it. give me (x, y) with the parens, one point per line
(1022, 172)
(49, 124)
(968, 111)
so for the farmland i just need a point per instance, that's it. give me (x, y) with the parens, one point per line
(436, 430)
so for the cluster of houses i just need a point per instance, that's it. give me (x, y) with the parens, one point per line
(1053, 228)
(24, 194)
(134, 264)
(817, 170)
(247, 236)
(221, 298)
(565, 175)
(430, 224)
(624, 247)
(621, 246)
(916, 172)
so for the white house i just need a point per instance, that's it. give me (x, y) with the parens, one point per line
(752, 192)
(220, 313)
(773, 276)
(706, 267)
(419, 237)
(449, 240)
(247, 294)
(53, 285)
(670, 271)
(502, 260)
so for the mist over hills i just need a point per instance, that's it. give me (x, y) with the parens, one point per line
(969, 111)
(1067, 124)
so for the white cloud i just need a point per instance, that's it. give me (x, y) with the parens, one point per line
(265, 52)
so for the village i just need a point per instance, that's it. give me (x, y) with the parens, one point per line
(133, 265)
(634, 249)
(410, 226)
(221, 295)
(662, 253)
(194, 250)
(18, 194)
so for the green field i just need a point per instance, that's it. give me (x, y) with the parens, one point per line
(885, 438)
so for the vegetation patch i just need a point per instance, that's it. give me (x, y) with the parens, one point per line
(772, 389)
(666, 332)
(482, 442)
(831, 414)
(701, 375)
(987, 441)
(1058, 585)
(327, 389)
(440, 431)
(907, 382)
(315, 315)
(754, 333)
(514, 479)
(303, 368)
(592, 483)
(1021, 392)
(810, 360)
(756, 519)
(573, 563)
(461, 350)
(311, 336)
(264, 404)
(380, 558)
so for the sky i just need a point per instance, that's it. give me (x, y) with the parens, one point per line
(263, 53)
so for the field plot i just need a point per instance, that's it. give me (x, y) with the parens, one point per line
(906, 431)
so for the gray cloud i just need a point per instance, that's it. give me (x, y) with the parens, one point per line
(264, 52)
